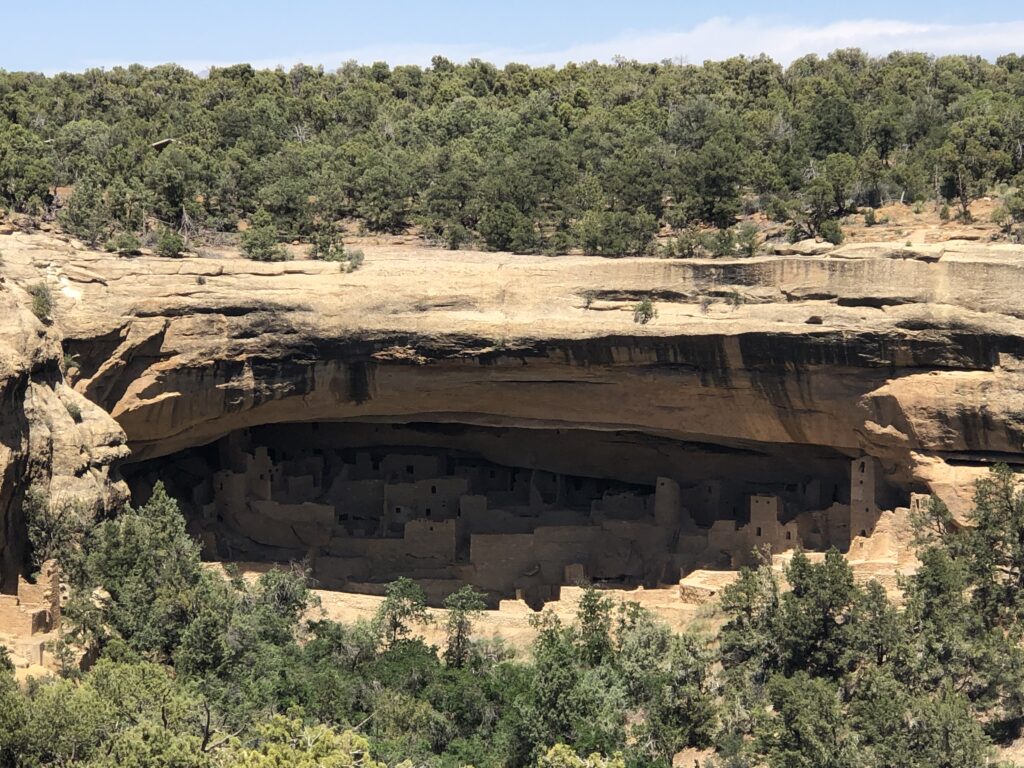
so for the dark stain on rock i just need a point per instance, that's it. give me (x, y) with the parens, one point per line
(359, 382)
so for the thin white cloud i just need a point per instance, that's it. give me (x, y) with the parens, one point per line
(720, 38)
(715, 39)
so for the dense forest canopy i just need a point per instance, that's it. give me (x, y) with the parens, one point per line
(526, 159)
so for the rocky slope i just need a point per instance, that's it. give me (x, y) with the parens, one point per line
(910, 353)
(51, 437)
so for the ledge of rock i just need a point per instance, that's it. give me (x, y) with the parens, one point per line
(915, 361)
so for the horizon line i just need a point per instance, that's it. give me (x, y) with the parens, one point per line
(714, 40)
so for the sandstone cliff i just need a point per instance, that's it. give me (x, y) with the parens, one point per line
(50, 435)
(911, 354)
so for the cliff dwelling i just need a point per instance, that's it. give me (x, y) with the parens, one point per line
(347, 421)
(516, 512)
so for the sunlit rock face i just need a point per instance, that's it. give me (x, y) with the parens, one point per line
(756, 374)
(55, 444)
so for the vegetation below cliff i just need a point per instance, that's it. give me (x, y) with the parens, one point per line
(528, 160)
(195, 669)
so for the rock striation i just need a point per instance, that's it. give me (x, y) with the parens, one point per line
(52, 438)
(912, 355)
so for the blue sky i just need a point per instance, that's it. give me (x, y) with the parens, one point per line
(57, 35)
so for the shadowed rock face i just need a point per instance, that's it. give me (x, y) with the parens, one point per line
(910, 355)
(766, 387)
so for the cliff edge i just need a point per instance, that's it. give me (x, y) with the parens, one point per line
(908, 352)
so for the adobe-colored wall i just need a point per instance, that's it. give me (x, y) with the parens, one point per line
(501, 561)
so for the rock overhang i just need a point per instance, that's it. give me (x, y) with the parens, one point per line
(776, 350)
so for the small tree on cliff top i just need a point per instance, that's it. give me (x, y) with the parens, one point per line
(259, 241)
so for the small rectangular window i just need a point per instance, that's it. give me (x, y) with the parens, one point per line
(759, 531)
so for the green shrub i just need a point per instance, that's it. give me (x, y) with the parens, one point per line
(42, 301)
(779, 210)
(356, 258)
(944, 212)
(869, 218)
(325, 244)
(86, 215)
(690, 244)
(722, 243)
(405, 604)
(124, 244)
(742, 239)
(455, 235)
(831, 231)
(169, 243)
(505, 228)
(74, 411)
(644, 311)
(1010, 213)
(614, 233)
(1015, 206)
(55, 528)
(259, 241)
(747, 239)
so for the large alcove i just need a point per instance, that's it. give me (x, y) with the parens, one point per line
(514, 511)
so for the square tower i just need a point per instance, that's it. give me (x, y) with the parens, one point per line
(764, 513)
(864, 511)
(667, 503)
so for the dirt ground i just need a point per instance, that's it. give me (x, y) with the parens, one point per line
(920, 223)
